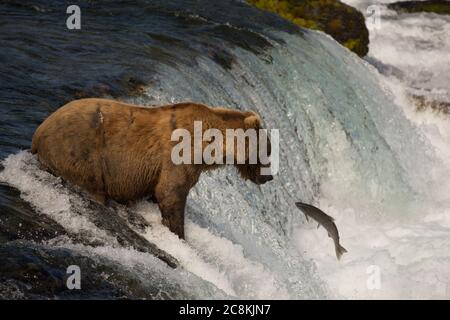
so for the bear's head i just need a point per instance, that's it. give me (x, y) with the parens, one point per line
(254, 149)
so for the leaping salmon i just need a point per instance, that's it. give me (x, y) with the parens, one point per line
(325, 221)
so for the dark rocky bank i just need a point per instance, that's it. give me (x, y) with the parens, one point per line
(344, 23)
(431, 6)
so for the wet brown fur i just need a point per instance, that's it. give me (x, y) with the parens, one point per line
(123, 152)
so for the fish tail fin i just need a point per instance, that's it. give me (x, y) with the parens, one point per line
(340, 250)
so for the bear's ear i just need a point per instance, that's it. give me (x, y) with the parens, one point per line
(252, 121)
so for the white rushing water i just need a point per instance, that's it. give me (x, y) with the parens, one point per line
(410, 251)
(349, 144)
(413, 48)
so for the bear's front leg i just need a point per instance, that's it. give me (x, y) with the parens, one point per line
(171, 193)
(172, 211)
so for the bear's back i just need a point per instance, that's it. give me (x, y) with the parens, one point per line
(117, 150)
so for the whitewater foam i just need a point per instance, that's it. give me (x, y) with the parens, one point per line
(214, 258)
(409, 248)
(412, 256)
(48, 196)
(416, 44)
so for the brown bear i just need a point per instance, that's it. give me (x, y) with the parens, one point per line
(122, 152)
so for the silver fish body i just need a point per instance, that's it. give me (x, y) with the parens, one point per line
(325, 221)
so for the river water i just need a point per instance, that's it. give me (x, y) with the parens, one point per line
(349, 143)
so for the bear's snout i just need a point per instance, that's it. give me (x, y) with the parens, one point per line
(263, 179)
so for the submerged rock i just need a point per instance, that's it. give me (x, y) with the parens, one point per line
(18, 220)
(31, 271)
(117, 222)
(425, 103)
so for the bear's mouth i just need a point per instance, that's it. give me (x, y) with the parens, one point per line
(263, 179)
